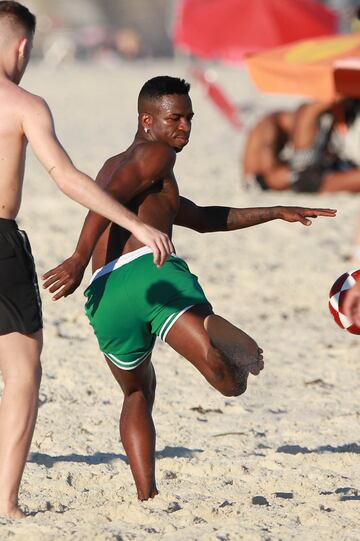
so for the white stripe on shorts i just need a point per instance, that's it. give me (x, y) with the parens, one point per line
(122, 260)
(127, 365)
(164, 330)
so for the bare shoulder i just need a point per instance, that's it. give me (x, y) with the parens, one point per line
(154, 157)
(107, 170)
(265, 130)
(143, 163)
(32, 110)
(154, 151)
(33, 104)
(141, 153)
(268, 123)
(261, 139)
(21, 97)
(21, 109)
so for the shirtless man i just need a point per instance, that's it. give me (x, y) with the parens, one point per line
(25, 117)
(129, 303)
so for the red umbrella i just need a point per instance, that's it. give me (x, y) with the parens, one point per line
(228, 29)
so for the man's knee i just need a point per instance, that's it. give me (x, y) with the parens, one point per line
(31, 377)
(28, 376)
(141, 392)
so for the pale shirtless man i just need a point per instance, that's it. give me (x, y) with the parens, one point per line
(25, 117)
(129, 303)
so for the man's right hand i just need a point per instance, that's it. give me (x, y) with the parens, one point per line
(64, 278)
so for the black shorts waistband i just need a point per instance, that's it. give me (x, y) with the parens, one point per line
(7, 225)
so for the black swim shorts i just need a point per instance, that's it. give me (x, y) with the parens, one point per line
(20, 303)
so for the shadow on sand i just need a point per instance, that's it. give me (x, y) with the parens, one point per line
(297, 449)
(106, 458)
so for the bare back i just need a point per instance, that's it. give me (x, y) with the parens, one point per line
(264, 143)
(155, 201)
(12, 148)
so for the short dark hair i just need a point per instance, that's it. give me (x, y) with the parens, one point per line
(163, 85)
(18, 14)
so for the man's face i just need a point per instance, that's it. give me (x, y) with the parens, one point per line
(171, 120)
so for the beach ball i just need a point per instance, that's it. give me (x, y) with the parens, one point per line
(337, 296)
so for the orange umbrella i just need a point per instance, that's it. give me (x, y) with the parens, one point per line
(307, 67)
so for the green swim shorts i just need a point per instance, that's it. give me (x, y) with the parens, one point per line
(130, 301)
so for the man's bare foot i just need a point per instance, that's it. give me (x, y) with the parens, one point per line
(152, 495)
(10, 509)
(237, 346)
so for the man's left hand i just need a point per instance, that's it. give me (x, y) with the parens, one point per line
(302, 215)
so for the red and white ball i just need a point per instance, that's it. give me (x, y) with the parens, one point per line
(337, 296)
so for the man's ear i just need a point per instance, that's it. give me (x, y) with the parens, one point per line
(146, 121)
(23, 43)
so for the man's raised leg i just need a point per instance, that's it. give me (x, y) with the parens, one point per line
(21, 369)
(223, 354)
(137, 430)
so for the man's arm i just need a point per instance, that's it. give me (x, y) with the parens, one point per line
(39, 129)
(306, 124)
(153, 162)
(209, 219)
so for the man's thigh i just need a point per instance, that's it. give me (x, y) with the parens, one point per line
(189, 338)
(20, 353)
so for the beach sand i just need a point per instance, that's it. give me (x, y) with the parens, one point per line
(281, 461)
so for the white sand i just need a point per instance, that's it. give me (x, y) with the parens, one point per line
(292, 439)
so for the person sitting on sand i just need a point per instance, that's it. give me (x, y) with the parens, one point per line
(26, 118)
(129, 303)
(312, 149)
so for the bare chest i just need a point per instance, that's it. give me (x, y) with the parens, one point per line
(161, 200)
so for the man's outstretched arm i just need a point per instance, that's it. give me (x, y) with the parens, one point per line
(39, 129)
(214, 218)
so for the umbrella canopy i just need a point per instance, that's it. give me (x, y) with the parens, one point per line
(228, 29)
(306, 67)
